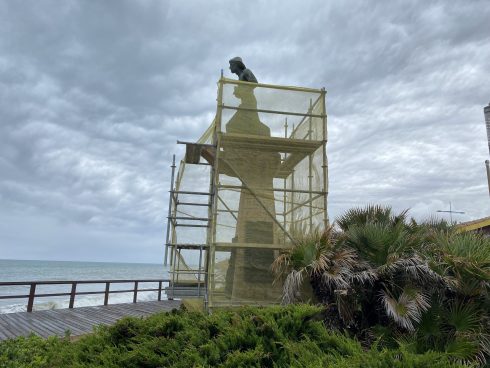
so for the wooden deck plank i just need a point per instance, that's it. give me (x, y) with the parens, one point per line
(101, 317)
(109, 315)
(52, 324)
(83, 319)
(79, 321)
(7, 327)
(71, 317)
(27, 325)
(65, 324)
(19, 326)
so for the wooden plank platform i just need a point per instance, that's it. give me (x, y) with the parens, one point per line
(78, 321)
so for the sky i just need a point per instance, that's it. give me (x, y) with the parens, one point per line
(95, 94)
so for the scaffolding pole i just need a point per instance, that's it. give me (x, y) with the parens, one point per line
(165, 261)
(325, 162)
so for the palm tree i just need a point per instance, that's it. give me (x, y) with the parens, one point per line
(317, 263)
(421, 285)
(463, 261)
(400, 277)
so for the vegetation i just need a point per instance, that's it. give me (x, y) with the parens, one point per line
(391, 281)
(388, 292)
(291, 336)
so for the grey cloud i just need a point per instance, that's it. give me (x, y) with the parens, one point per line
(94, 95)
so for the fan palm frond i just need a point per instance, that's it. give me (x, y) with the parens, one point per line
(465, 350)
(311, 255)
(407, 308)
(378, 243)
(365, 276)
(464, 317)
(369, 214)
(292, 285)
(463, 260)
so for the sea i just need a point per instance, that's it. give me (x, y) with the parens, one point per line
(17, 270)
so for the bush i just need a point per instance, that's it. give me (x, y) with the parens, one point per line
(292, 336)
(390, 280)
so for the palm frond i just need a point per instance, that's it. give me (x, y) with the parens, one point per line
(366, 276)
(464, 317)
(369, 214)
(336, 278)
(414, 268)
(465, 350)
(407, 308)
(292, 286)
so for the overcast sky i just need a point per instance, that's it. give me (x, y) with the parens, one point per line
(94, 95)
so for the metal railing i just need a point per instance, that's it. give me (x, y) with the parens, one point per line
(73, 293)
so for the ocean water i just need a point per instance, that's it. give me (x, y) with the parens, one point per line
(14, 270)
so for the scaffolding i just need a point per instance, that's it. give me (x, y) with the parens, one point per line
(256, 179)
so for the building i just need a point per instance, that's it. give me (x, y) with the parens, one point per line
(481, 225)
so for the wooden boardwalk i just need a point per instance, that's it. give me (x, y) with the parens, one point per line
(78, 321)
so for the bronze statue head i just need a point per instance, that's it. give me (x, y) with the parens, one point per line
(236, 65)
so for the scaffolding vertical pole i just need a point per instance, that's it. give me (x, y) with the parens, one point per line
(292, 192)
(173, 255)
(325, 162)
(208, 236)
(167, 239)
(213, 224)
(284, 196)
(310, 169)
(199, 272)
(213, 201)
(177, 265)
(175, 203)
(487, 164)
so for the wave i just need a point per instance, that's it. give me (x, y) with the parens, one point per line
(81, 301)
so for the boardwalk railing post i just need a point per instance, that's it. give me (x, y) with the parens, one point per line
(32, 293)
(72, 294)
(106, 294)
(159, 290)
(135, 295)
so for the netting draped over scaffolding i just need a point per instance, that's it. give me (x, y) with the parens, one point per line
(266, 151)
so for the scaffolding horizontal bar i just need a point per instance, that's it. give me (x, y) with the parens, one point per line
(187, 271)
(273, 86)
(307, 114)
(193, 204)
(305, 203)
(303, 147)
(189, 192)
(188, 218)
(229, 246)
(201, 144)
(188, 246)
(306, 191)
(230, 211)
(190, 225)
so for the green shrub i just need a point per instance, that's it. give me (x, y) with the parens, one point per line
(292, 336)
(387, 279)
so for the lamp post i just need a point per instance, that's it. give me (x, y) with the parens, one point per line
(486, 112)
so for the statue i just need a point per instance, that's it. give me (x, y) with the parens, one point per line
(238, 67)
(249, 276)
(246, 121)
